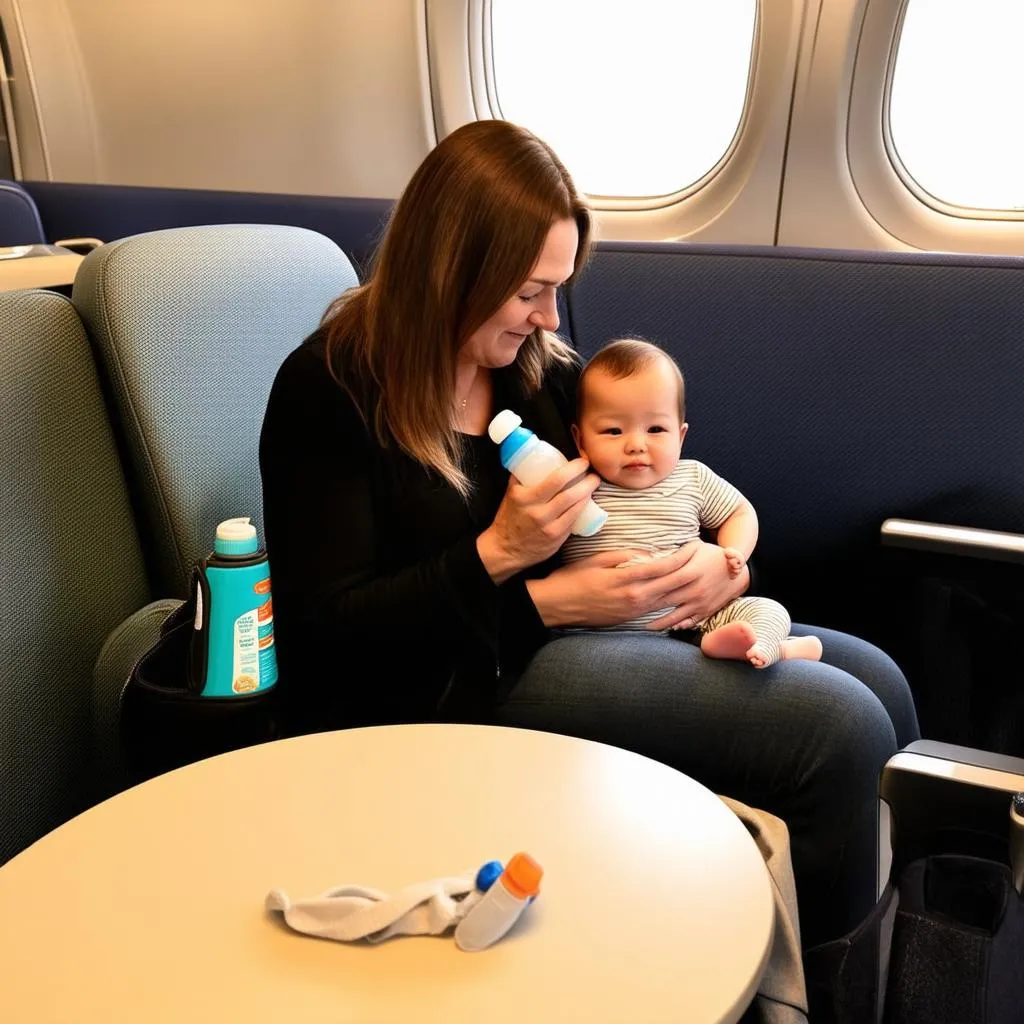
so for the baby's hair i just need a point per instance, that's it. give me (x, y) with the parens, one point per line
(623, 358)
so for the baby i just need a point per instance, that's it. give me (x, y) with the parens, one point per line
(630, 425)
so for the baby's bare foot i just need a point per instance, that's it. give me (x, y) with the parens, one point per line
(806, 647)
(731, 641)
(757, 657)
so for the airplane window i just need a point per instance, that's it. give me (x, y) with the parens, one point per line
(955, 98)
(643, 105)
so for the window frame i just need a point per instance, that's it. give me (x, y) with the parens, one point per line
(937, 203)
(736, 200)
(887, 190)
(647, 202)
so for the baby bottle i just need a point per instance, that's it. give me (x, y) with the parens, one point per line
(232, 650)
(501, 905)
(530, 460)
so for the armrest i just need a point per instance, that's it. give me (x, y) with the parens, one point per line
(942, 798)
(82, 246)
(125, 645)
(953, 540)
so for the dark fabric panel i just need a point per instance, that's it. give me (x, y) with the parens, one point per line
(115, 211)
(835, 389)
(19, 219)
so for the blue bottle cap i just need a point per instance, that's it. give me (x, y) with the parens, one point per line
(488, 875)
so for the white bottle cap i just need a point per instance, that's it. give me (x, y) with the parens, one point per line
(590, 520)
(503, 424)
(236, 529)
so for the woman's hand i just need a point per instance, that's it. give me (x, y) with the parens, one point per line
(600, 591)
(702, 585)
(532, 523)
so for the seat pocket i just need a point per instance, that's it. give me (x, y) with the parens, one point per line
(163, 725)
(958, 944)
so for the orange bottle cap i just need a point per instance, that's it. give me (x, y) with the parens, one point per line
(522, 876)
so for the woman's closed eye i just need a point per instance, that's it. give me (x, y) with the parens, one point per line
(534, 296)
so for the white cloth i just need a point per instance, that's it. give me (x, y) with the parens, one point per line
(352, 912)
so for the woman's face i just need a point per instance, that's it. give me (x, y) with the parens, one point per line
(495, 343)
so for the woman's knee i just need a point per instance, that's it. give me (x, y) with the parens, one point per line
(876, 670)
(855, 735)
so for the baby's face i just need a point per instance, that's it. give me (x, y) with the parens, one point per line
(630, 429)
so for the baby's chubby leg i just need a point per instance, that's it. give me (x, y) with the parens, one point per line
(755, 629)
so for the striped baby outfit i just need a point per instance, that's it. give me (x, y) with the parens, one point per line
(662, 518)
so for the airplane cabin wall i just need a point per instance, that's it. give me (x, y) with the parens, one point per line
(324, 97)
(842, 189)
(304, 96)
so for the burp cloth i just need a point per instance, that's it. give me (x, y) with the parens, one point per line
(352, 912)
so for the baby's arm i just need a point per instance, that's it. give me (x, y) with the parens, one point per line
(738, 535)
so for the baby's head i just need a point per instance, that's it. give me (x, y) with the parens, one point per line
(630, 414)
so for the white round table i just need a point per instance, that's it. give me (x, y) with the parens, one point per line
(655, 903)
(43, 271)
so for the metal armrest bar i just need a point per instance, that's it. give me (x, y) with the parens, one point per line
(953, 540)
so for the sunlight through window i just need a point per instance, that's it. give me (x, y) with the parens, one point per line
(643, 105)
(953, 107)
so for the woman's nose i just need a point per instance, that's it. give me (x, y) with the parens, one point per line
(545, 316)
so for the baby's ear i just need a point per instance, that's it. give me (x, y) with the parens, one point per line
(578, 439)
(682, 434)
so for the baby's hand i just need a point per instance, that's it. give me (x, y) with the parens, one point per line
(734, 560)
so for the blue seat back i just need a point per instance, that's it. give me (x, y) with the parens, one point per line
(834, 388)
(191, 325)
(19, 217)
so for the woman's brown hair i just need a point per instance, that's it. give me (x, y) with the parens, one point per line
(464, 235)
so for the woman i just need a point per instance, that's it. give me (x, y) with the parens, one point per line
(414, 580)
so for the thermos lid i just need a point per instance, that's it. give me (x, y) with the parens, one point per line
(236, 537)
(503, 424)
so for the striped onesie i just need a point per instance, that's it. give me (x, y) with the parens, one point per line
(659, 520)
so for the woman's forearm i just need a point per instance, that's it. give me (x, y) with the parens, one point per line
(496, 560)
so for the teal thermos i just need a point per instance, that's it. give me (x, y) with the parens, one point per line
(232, 650)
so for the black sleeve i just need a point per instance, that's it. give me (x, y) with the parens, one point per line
(753, 590)
(316, 459)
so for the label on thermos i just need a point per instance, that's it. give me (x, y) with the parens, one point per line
(245, 676)
(254, 664)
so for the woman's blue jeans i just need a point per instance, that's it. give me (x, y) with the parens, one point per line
(803, 740)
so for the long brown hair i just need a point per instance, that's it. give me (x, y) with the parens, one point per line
(464, 235)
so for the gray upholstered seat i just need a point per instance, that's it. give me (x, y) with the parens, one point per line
(191, 325)
(71, 566)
